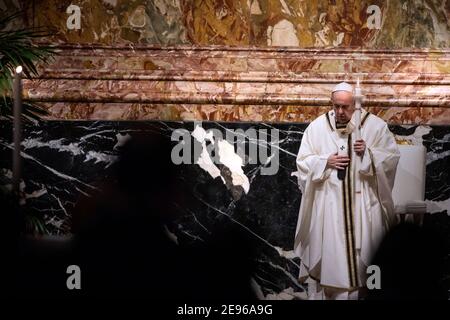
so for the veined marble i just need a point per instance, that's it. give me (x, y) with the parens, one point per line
(63, 160)
(382, 24)
(239, 84)
(246, 60)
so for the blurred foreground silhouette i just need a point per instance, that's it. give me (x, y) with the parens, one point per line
(123, 244)
(412, 263)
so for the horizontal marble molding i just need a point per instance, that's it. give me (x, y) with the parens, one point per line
(228, 98)
(232, 113)
(223, 49)
(223, 76)
(213, 75)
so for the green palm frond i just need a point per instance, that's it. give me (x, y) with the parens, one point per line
(30, 112)
(35, 225)
(17, 49)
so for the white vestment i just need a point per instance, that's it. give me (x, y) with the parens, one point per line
(334, 242)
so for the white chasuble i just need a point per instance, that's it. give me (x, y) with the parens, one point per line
(342, 219)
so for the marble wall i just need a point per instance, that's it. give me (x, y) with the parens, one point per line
(252, 60)
(63, 161)
(319, 23)
(223, 84)
(148, 67)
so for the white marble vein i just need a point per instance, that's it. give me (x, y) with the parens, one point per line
(55, 172)
(246, 228)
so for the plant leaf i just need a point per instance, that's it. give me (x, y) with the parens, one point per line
(17, 48)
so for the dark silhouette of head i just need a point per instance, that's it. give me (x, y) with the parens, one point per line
(411, 261)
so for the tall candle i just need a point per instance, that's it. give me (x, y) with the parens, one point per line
(358, 98)
(17, 92)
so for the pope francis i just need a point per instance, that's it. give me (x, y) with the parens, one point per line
(346, 204)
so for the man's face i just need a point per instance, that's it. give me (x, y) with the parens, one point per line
(343, 106)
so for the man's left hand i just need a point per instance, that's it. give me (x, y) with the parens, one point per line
(359, 147)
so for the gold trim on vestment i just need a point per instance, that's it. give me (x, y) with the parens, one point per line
(348, 218)
(365, 118)
(329, 122)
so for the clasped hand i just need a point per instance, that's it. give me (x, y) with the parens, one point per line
(339, 162)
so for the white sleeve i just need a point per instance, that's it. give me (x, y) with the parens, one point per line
(309, 163)
(380, 163)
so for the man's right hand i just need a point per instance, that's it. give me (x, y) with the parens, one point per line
(337, 162)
